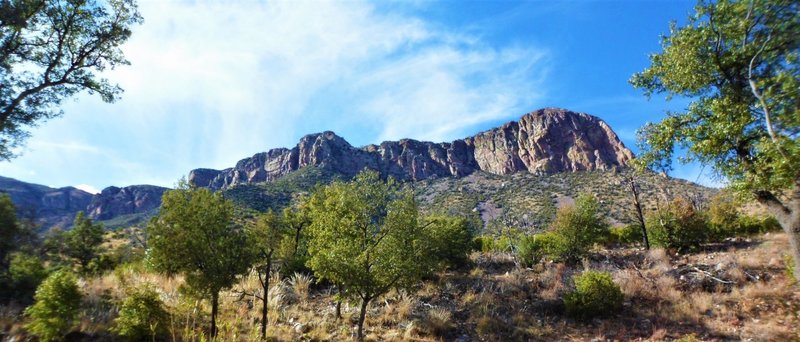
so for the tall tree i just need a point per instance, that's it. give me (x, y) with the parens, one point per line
(737, 61)
(365, 237)
(194, 235)
(82, 242)
(51, 50)
(266, 236)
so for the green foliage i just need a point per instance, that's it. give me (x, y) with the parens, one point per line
(194, 235)
(790, 266)
(677, 226)
(25, 273)
(56, 308)
(626, 235)
(9, 229)
(449, 240)
(51, 50)
(279, 194)
(142, 316)
(723, 49)
(576, 229)
(82, 243)
(595, 295)
(365, 235)
(533, 248)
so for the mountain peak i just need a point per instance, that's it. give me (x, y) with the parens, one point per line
(547, 140)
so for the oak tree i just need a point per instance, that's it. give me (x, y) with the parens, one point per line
(738, 63)
(194, 234)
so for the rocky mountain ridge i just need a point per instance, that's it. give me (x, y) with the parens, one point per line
(50, 207)
(545, 141)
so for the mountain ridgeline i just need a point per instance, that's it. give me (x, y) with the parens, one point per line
(114, 206)
(546, 141)
(506, 174)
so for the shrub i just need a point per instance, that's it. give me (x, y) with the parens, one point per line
(141, 316)
(450, 240)
(595, 295)
(677, 226)
(532, 248)
(54, 313)
(627, 234)
(25, 272)
(577, 228)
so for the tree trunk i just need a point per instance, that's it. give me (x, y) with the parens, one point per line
(361, 316)
(639, 214)
(265, 285)
(793, 231)
(339, 296)
(788, 214)
(214, 308)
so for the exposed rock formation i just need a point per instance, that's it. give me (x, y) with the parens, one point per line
(114, 201)
(47, 206)
(546, 141)
(51, 207)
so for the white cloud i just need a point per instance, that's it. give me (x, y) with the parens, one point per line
(88, 188)
(212, 82)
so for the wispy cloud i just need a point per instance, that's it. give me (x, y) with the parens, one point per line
(212, 82)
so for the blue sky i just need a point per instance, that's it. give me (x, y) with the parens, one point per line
(212, 82)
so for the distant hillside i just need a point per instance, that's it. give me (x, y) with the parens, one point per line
(512, 175)
(48, 206)
(114, 207)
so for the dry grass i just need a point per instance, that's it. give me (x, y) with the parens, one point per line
(500, 302)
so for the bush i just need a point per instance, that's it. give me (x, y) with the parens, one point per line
(532, 248)
(577, 228)
(142, 316)
(450, 240)
(56, 309)
(25, 273)
(677, 226)
(627, 234)
(595, 295)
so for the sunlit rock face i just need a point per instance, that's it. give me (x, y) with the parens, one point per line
(549, 140)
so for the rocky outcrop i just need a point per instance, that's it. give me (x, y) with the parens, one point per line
(113, 201)
(45, 205)
(546, 141)
(50, 207)
(549, 141)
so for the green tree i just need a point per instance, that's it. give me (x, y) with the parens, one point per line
(82, 242)
(9, 228)
(56, 309)
(449, 240)
(51, 50)
(738, 63)
(365, 236)
(194, 235)
(25, 273)
(266, 236)
(141, 316)
(576, 228)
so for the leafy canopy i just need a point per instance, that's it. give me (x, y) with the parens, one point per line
(51, 50)
(365, 236)
(194, 235)
(57, 306)
(82, 243)
(738, 63)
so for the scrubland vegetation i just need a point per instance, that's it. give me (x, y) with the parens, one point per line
(359, 256)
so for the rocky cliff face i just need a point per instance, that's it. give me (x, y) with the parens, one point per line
(113, 201)
(545, 141)
(47, 206)
(51, 207)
